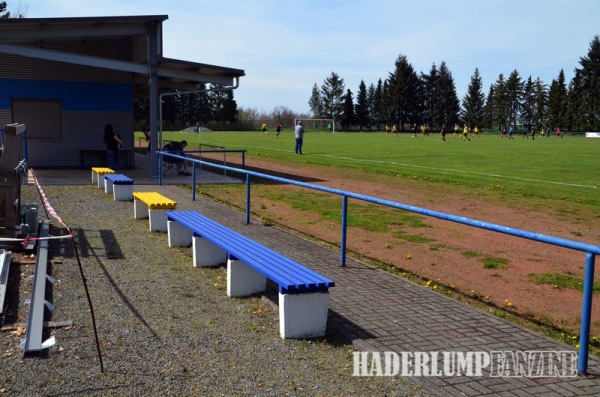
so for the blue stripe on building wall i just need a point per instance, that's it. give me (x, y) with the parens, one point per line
(74, 95)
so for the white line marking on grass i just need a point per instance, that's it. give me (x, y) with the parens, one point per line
(443, 169)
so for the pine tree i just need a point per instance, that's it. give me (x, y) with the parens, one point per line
(514, 96)
(557, 103)
(527, 104)
(540, 103)
(430, 96)
(576, 120)
(361, 110)
(489, 110)
(402, 96)
(448, 106)
(348, 117)
(589, 75)
(332, 97)
(473, 105)
(500, 103)
(316, 103)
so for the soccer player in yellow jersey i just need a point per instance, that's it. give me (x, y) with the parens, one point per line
(395, 129)
(263, 128)
(466, 133)
(476, 131)
(456, 128)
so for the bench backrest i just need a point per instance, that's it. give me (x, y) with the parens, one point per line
(290, 276)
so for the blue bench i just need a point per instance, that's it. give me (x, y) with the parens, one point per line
(303, 293)
(119, 185)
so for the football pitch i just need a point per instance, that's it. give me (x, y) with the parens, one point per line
(548, 168)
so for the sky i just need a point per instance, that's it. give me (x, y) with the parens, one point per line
(286, 47)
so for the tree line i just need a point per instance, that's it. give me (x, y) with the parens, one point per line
(408, 97)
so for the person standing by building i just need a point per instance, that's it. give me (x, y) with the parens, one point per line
(299, 133)
(113, 144)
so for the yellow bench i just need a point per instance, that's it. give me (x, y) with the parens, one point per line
(98, 175)
(152, 205)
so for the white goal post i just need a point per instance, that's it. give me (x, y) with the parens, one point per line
(332, 121)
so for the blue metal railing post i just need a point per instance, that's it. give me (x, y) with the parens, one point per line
(586, 312)
(344, 227)
(247, 199)
(193, 181)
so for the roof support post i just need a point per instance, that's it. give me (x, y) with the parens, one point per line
(154, 99)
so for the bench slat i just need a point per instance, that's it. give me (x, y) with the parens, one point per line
(291, 276)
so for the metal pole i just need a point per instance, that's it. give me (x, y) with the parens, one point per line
(193, 181)
(344, 227)
(586, 312)
(160, 168)
(247, 199)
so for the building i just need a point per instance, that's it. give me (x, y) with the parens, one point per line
(65, 78)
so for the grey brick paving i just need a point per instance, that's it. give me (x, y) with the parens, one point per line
(379, 311)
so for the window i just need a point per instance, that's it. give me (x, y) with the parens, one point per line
(42, 117)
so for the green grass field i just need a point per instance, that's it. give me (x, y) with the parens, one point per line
(547, 168)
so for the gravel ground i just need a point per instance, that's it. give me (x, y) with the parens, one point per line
(164, 327)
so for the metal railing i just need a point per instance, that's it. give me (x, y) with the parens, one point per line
(590, 250)
(199, 161)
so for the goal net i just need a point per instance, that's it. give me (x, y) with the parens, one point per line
(318, 124)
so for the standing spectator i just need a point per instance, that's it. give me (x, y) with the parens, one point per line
(299, 133)
(113, 144)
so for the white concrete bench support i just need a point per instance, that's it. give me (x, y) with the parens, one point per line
(242, 280)
(206, 253)
(179, 235)
(303, 315)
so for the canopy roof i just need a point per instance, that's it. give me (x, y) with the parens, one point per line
(55, 39)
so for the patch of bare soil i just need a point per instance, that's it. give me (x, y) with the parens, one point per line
(455, 254)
